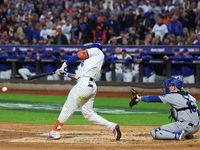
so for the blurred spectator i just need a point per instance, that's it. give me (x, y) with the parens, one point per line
(160, 29)
(131, 18)
(15, 40)
(114, 41)
(151, 21)
(174, 26)
(90, 26)
(185, 19)
(99, 36)
(36, 33)
(166, 18)
(60, 39)
(148, 69)
(141, 18)
(113, 23)
(18, 28)
(66, 29)
(44, 32)
(5, 68)
(143, 6)
(197, 42)
(169, 6)
(3, 25)
(154, 8)
(82, 24)
(122, 20)
(28, 67)
(110, 34)
(115, 11)
(5, 37)
(141, 29)
(26, 41)
(76, 34)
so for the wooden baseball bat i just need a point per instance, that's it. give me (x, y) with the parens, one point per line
(40, 75)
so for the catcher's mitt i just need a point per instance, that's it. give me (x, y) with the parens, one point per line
(134, 94)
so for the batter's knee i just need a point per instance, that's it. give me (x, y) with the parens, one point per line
(87, 114)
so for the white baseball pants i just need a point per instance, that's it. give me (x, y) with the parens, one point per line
(24, 72)
(5, 74)
(83, 94)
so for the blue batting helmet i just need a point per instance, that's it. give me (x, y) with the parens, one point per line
(96, 45)
(173, 81)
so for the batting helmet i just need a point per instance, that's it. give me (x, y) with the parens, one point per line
(172, 82)
(96, 45)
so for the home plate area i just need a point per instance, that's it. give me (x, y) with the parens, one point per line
(86, 137)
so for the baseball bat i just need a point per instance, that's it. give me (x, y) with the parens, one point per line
(40, 75)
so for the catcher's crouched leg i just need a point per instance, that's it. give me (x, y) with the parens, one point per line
(159, 134)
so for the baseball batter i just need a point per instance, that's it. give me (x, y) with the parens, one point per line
(184, 110)
(83, 93)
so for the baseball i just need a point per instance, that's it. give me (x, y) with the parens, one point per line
(4, 89)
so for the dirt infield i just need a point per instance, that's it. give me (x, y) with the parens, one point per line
(15, 136)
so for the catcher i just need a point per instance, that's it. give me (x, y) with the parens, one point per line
(184, 110)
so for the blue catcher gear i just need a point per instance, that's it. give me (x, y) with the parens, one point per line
(172, 82)
(96, 45)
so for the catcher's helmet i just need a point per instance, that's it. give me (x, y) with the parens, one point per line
(96, 45)
(173, 81)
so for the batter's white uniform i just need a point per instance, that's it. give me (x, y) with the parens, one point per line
(84, 92)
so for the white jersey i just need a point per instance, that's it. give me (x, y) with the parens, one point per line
(67, 31)
(177, 101)
(44, 33)
(160, 30)
(128, 67)
(118, 65)
(91, 66)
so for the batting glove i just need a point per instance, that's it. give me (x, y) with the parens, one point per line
(64, 67)
(61, 72)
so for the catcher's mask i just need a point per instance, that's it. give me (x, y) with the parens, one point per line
(173, 81)
(96, 45)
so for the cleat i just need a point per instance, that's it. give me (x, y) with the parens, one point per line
(117, 132)
(182, 136)
(53, 136)
(189, 136)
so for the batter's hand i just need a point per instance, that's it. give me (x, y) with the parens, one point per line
(64, 67)
(61, 72)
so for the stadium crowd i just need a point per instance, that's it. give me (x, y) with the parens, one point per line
(111, 22)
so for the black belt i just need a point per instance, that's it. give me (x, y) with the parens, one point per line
(91, 79)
